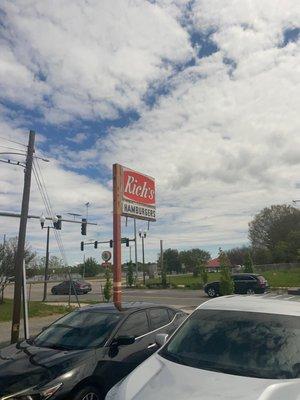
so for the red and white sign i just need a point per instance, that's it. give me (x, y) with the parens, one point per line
(138, 195)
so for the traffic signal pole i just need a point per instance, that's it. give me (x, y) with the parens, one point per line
(15, 329)
(46, 265)
(117, 273)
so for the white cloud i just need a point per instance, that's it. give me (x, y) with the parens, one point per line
(89, 61)
(79, 138)
(222, 143)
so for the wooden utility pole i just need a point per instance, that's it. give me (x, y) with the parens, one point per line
(15, 329)
(117, 194)
(162, 266)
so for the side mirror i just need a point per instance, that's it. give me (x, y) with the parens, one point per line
(161, 339)
(123, 340)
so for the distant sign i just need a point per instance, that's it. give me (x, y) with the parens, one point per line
(138, 195)
(106, 264)
(106, 255)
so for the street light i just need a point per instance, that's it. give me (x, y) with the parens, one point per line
(142, 235)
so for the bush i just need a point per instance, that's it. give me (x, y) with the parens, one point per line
(107, 286)
(226, 282)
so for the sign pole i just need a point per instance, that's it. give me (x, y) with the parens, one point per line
(117, 273)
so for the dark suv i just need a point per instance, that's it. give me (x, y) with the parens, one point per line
(243, 284)
(84, 353)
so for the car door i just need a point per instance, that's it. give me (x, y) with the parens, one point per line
(238, 284)
(162, 320)
(119, 361)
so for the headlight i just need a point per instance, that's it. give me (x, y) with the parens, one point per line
(34, 394)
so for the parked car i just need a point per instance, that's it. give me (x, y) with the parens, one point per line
(243, 284)
(229, 348)
(84, 353)
(66, 287)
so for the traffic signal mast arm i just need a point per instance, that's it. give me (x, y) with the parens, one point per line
(18, 215)
(96, 242)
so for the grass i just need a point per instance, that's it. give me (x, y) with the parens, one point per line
(288, 278)
(36, 309)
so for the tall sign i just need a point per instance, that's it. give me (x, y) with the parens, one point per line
(133, 196)
(138, 195)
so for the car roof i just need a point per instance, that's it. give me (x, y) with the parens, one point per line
(127, 307)
(276, 304)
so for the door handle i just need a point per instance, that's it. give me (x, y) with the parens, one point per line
(151, 345)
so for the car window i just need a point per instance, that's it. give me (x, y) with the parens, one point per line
(158, 317)
(248, 278)
(135, 325)
(79, 330)
(240, 343)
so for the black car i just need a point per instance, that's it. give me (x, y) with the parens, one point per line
(243, 284)
(68, 287)
(84, 353)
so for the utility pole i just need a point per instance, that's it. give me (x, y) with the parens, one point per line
(15, 329)
(117, 192)
(46, 265)
(162, 267)
(130, 259)
(135, 252)
(143, 235)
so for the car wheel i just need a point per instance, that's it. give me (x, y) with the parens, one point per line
(211, 292)
(54, 291)
(88, 393)
(250, 291)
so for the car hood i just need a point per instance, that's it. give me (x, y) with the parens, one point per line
(23, 365)
(160, 379)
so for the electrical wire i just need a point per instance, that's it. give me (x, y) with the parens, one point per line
(49, 209)
(11, 148)
(13, 141)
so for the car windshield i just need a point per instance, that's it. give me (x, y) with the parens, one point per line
(79, 330)
(241, 343)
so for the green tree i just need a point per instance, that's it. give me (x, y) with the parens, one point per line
(130, 276)
(237, 254)
(192, 259)
(226, 282)
(8, 253)
(89, 268)
(203, 274)
(171, 260)
(108, 286)
(271, 227)
(248, 264)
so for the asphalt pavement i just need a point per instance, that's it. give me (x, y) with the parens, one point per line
(181, 298)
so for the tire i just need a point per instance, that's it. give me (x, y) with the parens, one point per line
(88, 393)
(250, 291)
(53, 291)
(211, 292)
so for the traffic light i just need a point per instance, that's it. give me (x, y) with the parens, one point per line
(57, 223)
(83, 226)
(95, 244)
(127, 242)
(81, 246)
(111, 243)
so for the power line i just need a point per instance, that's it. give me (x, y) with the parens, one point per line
(10, 148)
(13, 141)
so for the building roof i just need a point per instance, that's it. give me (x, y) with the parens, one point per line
(214, 263)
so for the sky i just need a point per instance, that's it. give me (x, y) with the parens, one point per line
(203, 95)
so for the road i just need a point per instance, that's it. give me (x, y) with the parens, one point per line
(181, 298)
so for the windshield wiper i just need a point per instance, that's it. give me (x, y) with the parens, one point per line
(173, 357)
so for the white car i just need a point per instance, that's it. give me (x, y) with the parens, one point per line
(230, 348)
